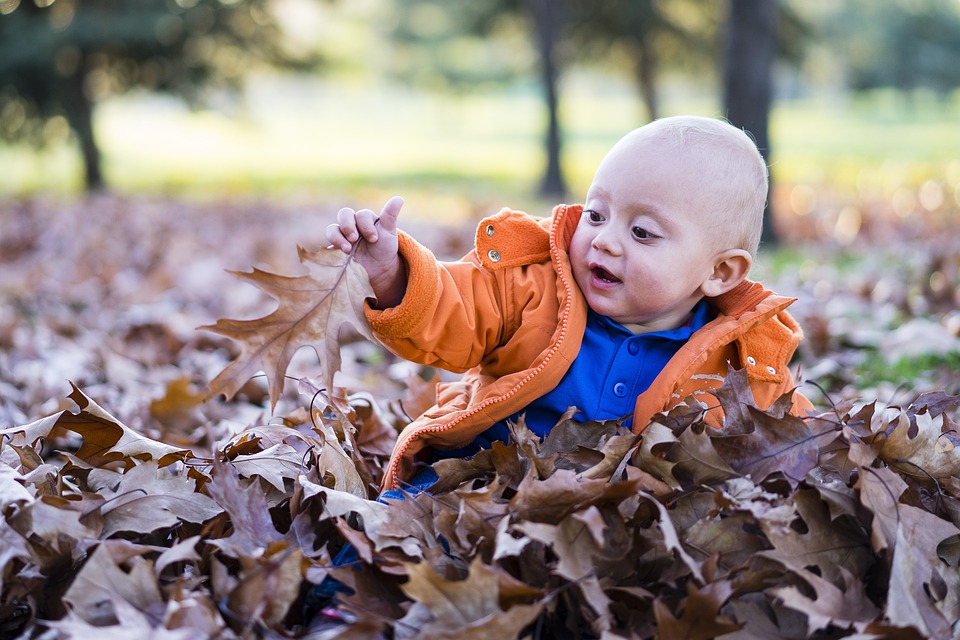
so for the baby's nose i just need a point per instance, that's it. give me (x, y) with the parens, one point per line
(604, 241)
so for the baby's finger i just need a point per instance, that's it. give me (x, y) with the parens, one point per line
(367, 225)
(347, 222)
(336, 238)
(390, 213)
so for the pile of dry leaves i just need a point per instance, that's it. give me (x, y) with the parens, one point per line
(191, 518)
(842, 525)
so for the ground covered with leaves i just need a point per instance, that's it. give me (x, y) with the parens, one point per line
(135, 506)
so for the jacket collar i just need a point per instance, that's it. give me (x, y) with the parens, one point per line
(743, 298)
(566, 217)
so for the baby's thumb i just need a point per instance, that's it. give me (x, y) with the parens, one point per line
(390, 213)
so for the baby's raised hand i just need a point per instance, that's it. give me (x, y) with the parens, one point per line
(378, 253)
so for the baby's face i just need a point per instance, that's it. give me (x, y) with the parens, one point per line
(641, 252)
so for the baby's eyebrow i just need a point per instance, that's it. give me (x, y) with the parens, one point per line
(596, 192)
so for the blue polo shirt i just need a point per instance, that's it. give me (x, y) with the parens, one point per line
(614, 366)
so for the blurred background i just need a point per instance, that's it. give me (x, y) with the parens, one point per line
(512, 98)
(135, 122)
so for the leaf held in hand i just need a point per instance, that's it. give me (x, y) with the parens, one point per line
(310, 307)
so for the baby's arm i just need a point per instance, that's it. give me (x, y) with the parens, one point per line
(443, 314)
(378, 254)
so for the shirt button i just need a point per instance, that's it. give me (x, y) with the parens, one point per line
(619, 389)
(633, 348)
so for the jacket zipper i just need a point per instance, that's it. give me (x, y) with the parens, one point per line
(399, 454)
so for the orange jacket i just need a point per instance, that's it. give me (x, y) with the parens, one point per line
(511, 318)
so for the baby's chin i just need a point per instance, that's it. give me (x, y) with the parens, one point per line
(603, 308)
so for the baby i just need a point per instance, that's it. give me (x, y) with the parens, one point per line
(622, 307)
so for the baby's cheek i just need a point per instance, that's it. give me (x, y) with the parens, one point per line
(579, 244)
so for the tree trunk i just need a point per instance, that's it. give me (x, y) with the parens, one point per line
(546, 21)
(646, 67)
(750, 49)
(80, 118)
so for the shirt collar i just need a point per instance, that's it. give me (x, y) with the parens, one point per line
(699, 317)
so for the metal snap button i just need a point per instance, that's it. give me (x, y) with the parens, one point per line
(772, 370)
(751, 360)
(489, 229)
(494, 255)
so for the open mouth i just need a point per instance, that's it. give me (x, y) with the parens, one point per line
(604, 276)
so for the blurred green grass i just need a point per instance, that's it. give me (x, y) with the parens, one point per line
(884, 135)
(469, 152)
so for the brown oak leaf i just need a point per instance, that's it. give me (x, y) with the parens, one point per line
(147, 500)
(651, 455)
(474, 515)
(701, 618)
(246, 503)
(105, 439)
(759, 442)
(672, 538)
(844, 607)
(131, 622)
(101, 582)
(831, 545)
(916, 562)
(931, 451)
(268, 586)
(554, 498)
(696, 461)
(732, 539)
(53, 526)
(880, 491)
(310, 307)
(576, 550)
(461, 609)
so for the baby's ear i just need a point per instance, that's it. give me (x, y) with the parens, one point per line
(729, 270)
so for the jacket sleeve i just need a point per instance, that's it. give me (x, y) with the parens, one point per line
(451, 315)
(782, 335)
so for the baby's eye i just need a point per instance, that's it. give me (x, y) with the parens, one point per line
(640, 233)
(593, 216)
